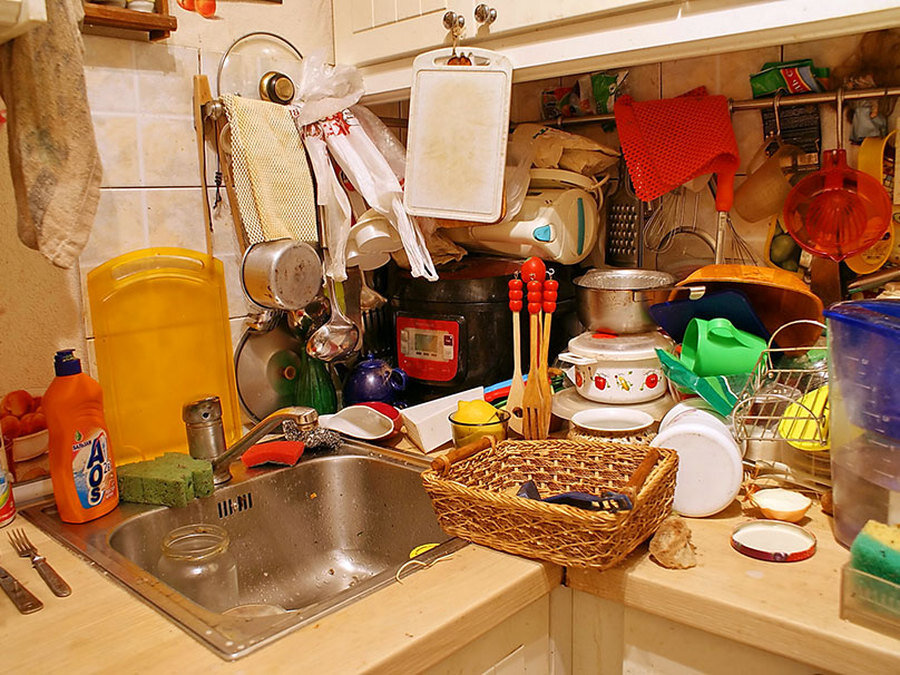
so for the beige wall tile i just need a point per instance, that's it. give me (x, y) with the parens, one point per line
(727, 74)
(829, 53)
(109, 75)
(104, 52)
(164, 75)
(526, 99)
(117, 142)
(119, 227)
(175, 218)
(169, 150)
(644, 83)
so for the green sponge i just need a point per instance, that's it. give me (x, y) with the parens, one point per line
(171, 480)
(131, 488)
(201, 471)
(876, 550)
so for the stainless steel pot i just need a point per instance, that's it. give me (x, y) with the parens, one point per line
(617, 300)
(281, 274)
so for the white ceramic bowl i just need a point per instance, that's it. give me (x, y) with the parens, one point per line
(359, 421)
(30, 446)
(619, 421)
(373, 233)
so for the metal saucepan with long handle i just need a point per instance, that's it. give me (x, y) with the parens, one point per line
(617, 300)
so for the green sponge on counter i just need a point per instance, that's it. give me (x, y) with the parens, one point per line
(201, 471)
(876, 550)
(171, 480)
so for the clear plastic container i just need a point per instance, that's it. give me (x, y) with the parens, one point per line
(870, 601)
(864, 369)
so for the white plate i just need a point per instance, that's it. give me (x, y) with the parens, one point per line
(568, 402)
(359, 421)
(625, 420)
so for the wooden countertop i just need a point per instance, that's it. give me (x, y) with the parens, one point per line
(403, 628)
(791, 609)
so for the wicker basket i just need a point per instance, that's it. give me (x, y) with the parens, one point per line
(476, 499)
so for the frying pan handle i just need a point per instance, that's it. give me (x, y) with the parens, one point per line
(443, 463)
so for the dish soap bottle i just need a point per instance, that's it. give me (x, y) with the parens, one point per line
(81, 462)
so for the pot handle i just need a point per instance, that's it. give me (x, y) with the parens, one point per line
(695, 292)
(397, 379)
(576, 359)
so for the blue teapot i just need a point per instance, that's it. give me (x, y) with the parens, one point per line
(373, 380)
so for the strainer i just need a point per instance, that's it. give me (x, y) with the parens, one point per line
(837, 211)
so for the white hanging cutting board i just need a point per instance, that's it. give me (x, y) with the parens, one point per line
(458, 129)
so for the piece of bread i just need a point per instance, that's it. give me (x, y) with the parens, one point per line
(671, 545)
(876, 550)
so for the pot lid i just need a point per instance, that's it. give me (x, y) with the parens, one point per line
(619, 347)
(624, 279)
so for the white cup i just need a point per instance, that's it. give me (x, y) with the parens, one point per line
(373, 233)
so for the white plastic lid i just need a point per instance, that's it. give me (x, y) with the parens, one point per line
(709, 468)
(619, 347)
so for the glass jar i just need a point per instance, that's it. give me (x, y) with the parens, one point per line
(195, 561)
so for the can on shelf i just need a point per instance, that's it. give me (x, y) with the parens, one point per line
(7, 505)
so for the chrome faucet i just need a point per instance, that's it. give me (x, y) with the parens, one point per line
(206, 433)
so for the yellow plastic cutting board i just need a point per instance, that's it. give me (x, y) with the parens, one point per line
(162, 339)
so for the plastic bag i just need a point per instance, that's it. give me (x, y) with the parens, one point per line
(372, 176)
(325, 90)
(519, 156)
(331, 196)
(383, 138)
(554, 148)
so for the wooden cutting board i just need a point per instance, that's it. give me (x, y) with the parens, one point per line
(458, 129)
(162, 339)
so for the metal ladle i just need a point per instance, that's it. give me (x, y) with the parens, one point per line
(338, 337)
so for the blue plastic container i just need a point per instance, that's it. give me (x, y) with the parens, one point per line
(864, 358)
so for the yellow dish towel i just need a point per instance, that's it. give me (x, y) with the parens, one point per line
(272, 179)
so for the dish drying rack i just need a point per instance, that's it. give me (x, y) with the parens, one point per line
(784, 408)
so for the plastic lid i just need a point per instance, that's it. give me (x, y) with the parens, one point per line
(709, 468)
(879, 315)
(619, 347)
(65, 363)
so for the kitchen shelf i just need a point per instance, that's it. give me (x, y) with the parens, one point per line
(158, 25)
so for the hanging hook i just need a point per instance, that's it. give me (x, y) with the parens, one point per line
(776, 102)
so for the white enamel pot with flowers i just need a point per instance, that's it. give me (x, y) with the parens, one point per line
(620, 369)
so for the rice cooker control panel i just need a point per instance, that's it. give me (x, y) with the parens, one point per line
(428, 349)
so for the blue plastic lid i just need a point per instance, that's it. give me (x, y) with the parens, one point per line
(882, 316)
(65, 362)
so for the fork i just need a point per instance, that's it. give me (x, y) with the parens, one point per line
(25, 549)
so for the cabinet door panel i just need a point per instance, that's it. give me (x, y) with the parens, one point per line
(520, 15)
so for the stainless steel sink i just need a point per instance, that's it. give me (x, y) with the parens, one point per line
(307, 540)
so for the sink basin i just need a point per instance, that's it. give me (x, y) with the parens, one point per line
(307, 540)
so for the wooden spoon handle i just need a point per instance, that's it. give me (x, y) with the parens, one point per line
(443, 463)
(634, 484)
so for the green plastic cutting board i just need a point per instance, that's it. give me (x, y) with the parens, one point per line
(162, 339)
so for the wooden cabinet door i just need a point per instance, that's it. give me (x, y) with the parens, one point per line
(373, 31)
(524, 15)
(369, 31)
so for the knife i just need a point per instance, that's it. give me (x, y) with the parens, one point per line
(22, 598)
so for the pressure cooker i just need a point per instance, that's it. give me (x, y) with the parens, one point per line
(456, 333)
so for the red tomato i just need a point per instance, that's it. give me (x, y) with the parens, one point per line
(206, 8)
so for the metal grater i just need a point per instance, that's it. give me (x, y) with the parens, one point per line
(625, 216)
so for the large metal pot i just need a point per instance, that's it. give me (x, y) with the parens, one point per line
(617, 300)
